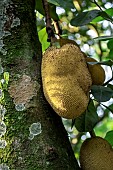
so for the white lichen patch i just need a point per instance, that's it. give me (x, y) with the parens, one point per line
(23, 90)
(1, 93)
(20, 107)
(2, 112)
(2, 128)
(3, 144)
(4, 167)
(1, 70)
(16, 22)
(35, 129)
(31, 136)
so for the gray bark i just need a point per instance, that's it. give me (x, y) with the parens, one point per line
(36, 138)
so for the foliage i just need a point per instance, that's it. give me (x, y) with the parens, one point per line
(89, 24)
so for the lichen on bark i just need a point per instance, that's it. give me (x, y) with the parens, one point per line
(51, 148)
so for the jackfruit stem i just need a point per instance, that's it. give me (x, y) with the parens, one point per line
(48, 21)
(92, 133)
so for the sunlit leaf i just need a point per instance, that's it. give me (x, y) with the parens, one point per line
(106, 16)
(109, 137)
(84, 18)
(88, 119)
(101, 93)
(99, 18)
(43, 39)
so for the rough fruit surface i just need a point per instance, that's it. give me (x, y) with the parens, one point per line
(96, 71)
(96, 154)
(66, 80)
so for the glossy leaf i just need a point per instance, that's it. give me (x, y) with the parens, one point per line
(84, 18)
(63, 3)
(43, 39)
(109, 137)
(101, 93)
(88, 119)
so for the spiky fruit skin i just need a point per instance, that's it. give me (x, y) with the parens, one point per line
(97, 72)
(96, 154)
(66, 80)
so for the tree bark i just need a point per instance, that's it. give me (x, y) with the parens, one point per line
(36, 138)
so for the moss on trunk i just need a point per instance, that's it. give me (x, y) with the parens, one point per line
(20, 55)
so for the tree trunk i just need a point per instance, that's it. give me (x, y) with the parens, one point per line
(35, 136)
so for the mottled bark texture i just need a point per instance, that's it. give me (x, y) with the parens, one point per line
(35, 136)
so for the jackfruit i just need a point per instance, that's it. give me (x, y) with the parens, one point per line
(97, 72)
(66, 80)
(96, 154)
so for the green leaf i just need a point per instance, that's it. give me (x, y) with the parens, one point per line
(111, 54)
(101, 93)
(88, 119)
(110, 44)
(108, 63)
(106, 16)
(85, 17)
(108, 108)
(104, 38)
(6, 77)
(109, 137)
(63, 3)
(43, 39)
(108, 11)
(52, 8)
(110, 86)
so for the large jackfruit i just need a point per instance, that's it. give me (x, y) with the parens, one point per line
(96, 154)
(66, 80)
(97, 72)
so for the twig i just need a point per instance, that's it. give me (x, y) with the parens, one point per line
(108, 81)
(48, 21)
(58, 30)
(92, 133)
(96, 4)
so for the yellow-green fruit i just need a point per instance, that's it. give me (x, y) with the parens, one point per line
(96, 154)
(96, 71)
(66, 80)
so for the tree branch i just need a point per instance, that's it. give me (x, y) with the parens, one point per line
(48, 21)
